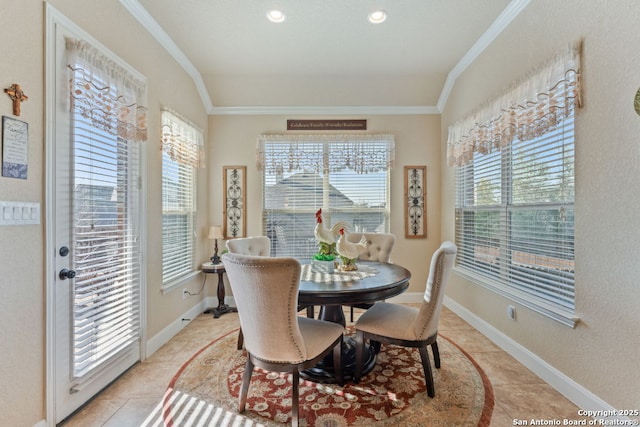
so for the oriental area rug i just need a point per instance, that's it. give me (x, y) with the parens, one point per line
(204, 392)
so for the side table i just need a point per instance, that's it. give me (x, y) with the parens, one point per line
(222, 308)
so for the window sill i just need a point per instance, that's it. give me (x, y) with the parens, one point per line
(564, 317)
(176, 283)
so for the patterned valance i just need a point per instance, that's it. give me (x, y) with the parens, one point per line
(182, 140)
(362, 153)
(532, 107)
(106, 93)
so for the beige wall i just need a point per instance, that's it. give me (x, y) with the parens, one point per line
(233, 142)
(601, 354)
(22, 275)
(22, 299)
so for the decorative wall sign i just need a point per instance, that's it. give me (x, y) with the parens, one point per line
(15, 149)
(234, 178)
(326, 125)
(415, 208)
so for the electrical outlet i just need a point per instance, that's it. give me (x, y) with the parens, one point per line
(185, 293)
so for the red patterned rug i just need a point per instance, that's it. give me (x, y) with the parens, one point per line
(205, 392)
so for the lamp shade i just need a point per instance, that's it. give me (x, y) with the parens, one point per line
(215, 232)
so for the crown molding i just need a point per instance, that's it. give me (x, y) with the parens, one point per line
(324, 110)
(512, 10)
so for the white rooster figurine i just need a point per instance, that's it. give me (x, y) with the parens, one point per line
(327, 237)
(349, 251)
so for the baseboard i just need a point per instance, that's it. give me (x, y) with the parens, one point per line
(162, 337)
(573, 391)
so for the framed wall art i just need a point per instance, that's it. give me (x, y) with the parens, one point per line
(415, 205)
(15, 151)
(234, 206)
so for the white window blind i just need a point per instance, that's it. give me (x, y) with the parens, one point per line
(181, 154)
(346, 176)
(515, 220)
(107, 124)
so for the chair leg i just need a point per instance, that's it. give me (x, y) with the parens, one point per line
(351, 314)
(428, 376)
(436, 354)
(246, 379)
(240, 339)
(337, 362)
(295, 397)
(359, 356)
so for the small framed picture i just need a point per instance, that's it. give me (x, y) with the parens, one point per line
(415, 207)
(234, 205)
(15, 148)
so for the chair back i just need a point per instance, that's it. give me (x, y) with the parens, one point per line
(379, 245)
(257, 245)
(266, 294)
(442, 261)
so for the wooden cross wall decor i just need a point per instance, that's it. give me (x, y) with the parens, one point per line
(17, 96)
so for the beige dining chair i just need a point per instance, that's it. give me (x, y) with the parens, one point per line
(257, 246)
(379, 247)
(254, 245)
(278, 339)
(401, 325)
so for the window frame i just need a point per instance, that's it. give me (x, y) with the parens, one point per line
(303, 217)
(179, 265)
(501, 279)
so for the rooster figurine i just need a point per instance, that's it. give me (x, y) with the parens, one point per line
(327, 237)
(349, 251)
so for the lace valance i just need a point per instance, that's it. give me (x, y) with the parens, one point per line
(532, 107)
(182, 140)
(362, 153)
(106, 93)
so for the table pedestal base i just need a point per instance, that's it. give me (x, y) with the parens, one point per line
(323, 372)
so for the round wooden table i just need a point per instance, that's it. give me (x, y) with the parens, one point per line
(381, 281)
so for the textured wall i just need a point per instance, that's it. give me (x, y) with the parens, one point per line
(601, 353)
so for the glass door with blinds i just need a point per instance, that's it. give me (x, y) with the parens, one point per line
(97, 231)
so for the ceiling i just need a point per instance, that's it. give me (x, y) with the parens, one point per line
(325, 55)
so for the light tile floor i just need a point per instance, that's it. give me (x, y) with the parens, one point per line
(519, 394)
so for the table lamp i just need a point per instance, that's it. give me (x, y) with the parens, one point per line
(215, 233)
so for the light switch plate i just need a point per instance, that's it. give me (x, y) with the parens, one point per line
(19, 213)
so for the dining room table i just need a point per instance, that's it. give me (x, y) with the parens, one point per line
(372, 281)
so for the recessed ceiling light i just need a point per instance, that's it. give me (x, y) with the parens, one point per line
(275, 16)
(377, 17)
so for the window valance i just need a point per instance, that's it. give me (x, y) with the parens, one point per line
(532, 107)
(106, 93)
(181, 140)
(362, 153)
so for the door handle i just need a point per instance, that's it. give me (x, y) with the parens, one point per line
(66, 274)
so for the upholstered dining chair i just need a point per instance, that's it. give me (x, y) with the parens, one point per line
(379, 247)
(254, 245)
(398, 324)
(276, 338)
